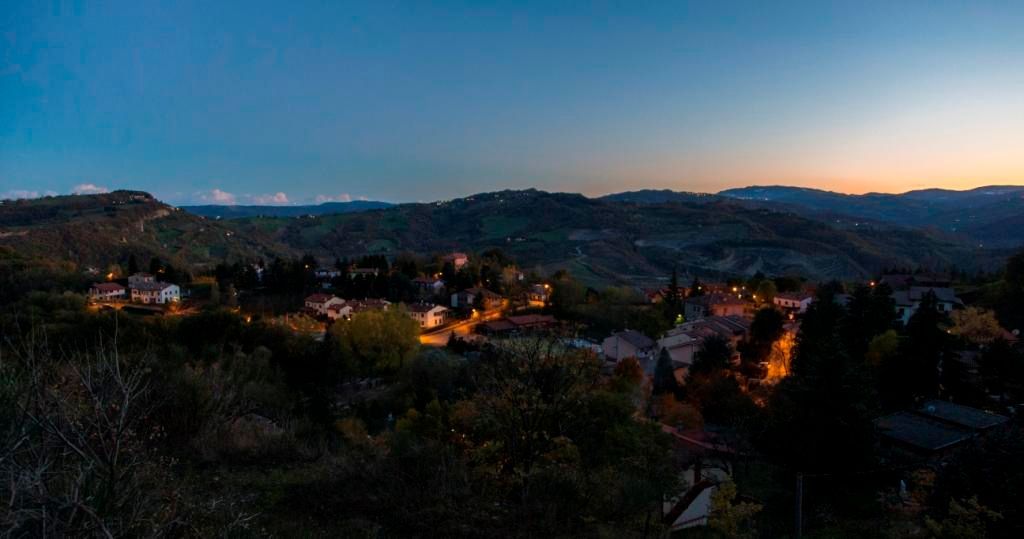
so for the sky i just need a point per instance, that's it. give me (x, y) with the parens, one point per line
(300, 102)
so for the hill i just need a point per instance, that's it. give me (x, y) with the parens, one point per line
(988, 216)
(103, 229)
(237, 212)
(609, 241)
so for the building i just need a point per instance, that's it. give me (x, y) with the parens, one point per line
(155, 292)
(907, 301)
(429, 285)
(137, 278)
(318, 304)
(934, 430)
(339, 312)
(629, 343)
(538, 295)
(467, 298)
(713, 304)
(326, 273)
(684, 341)
(428, 315)
(457, 260)
(514, 325)
(793, 301)
(362, 272)
(370, 304)
(106, 291)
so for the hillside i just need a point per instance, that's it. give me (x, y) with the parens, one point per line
(237, 211)
(607, 241)
(986, 215)
(103, 229)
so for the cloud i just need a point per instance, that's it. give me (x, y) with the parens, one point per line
(216, 196)
(344, 197)
(88, 189)
(15, 194)
(276, 198)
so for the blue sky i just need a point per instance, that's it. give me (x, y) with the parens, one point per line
(296, 102)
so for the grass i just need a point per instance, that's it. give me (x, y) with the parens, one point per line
(502, 226)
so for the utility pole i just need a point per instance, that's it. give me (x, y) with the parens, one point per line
(799, 504)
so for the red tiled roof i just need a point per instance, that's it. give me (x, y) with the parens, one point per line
(107, 287)
(319, 298)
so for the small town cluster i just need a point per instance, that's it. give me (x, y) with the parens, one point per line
(705, 315)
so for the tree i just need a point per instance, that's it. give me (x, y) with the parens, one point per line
(155, 265)
(714, 355)
(820, 415)
(731, 517)
(664, 375)
(696, 288)
(977, 325)
(766, 291)
(381, 341)
(765, 329)
(133, 264)
(914, 373)
(966, 519)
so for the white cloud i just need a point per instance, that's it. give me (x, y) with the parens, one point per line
(344, 197)
(216, 196)
(276, 198)
(15, 194)
(88, 189)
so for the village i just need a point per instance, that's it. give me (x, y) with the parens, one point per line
(751, 325)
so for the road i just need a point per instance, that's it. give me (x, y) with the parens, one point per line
(464, 328)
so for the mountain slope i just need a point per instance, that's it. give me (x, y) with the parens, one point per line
(237, 212)
(107, 228)
(984, 215)
(608, 241)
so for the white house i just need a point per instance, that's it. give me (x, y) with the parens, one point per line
(629, 343)
(106, 291)
(334, 311)
(798, 302)
(155, 292)
(319, 303)
(428, 315)
(908, 301)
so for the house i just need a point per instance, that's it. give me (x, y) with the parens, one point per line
(360, 306)
(793, 301)
(538, 295)
(326, 273)
(467, 298)
(137, 278)
(428, 315)
(512, 325)
(629, 343)
(429, 285)
(339, 312)
(707, 460)
(457, 260)
(907, 301)
(685, 340)
(934, 430)
(155, 292)
(362, 272)
(319, 303)
(713, 304)
(106, 291)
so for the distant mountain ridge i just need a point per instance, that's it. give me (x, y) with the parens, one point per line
(326, 208)
(992, 215)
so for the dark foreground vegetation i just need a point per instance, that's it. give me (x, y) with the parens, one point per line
(215, 424)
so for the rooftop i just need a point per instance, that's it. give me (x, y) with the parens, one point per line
(921, 432)
(961, 416)
(635, 338)
(152, 286)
